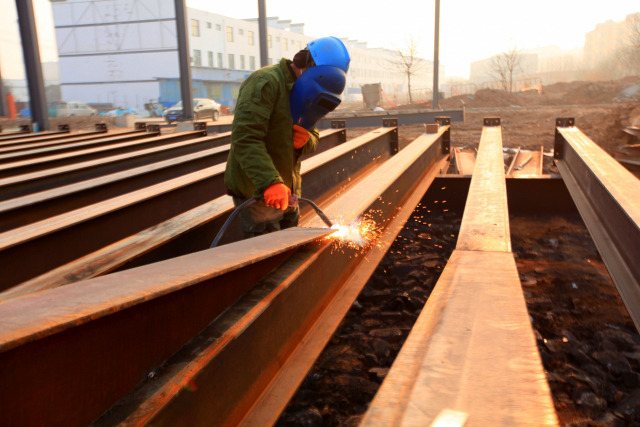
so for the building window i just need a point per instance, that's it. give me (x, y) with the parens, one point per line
(240, 31)
(299, 46)
(269, 40)
(220, 64)
(210, 55)
(218, 27)
(242, 62)
(252, 62)
(209, 25)
(250, 36)
(232, 61)
(197, 59)
(229, 34)
(284, 45)
(195, 28)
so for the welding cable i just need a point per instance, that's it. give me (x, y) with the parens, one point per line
(228, 221)
(293, 199)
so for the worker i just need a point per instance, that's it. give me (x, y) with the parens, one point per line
(274, 125)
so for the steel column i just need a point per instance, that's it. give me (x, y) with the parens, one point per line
(29, 36)
(262, 30)
(184, 58)
(436, 57)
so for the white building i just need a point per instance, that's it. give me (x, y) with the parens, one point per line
(124, 52)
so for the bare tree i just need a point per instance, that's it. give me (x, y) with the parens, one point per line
(407, 62)
(504, 66)
(626, 60)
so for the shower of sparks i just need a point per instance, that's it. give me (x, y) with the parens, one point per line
(356, 235)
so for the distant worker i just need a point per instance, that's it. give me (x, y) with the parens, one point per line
(274, 125)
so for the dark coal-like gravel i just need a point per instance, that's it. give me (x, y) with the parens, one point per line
(588, 344)
(346, 376)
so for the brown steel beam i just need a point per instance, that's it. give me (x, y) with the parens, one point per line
(55, 160)
(473, 340)
(30, 208)
(606, 195)
(70, 138)
(68, 354)
(69, 145)
(254, 356)
(25, 132)
(41, 180)
(195, 214)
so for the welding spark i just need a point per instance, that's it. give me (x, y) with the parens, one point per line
(356, 235)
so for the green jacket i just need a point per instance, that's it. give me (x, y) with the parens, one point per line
(262, 150)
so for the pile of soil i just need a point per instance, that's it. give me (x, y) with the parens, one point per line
(558, 94)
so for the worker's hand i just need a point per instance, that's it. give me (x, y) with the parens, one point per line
(277, 196)
(300, 136)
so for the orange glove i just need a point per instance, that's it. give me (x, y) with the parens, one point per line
(277, 196)
(300, 136)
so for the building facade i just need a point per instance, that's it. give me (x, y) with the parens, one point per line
(124, 53)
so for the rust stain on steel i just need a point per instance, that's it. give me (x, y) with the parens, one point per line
(485, 223)
(471, 346)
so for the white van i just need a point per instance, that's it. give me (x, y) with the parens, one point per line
(75, 109)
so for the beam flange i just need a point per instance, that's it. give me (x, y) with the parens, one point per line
(606, 195)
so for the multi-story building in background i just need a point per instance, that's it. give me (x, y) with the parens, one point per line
(124, 53)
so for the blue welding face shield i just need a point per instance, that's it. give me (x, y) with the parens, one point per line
(317, 91)
(315, 94)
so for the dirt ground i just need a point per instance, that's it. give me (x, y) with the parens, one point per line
(528, 120)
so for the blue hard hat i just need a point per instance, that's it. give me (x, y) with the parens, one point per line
(316, 93)
(330, 51)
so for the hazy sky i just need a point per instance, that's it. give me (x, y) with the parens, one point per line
(469, 30)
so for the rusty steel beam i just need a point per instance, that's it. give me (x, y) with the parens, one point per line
(94, 341)
(55, 160)
(66, 237)
(25, 136)
(370, 119)
(24, 132)
(473, 340)
(20, 211)
(606, 195)
(90, 258)
(92, 329)
(41, 180)
(69, 145)
(254, 356)
(33, 207)
(69, 138)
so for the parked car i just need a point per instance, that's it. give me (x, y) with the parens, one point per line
(202, 108)
(75, 109)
